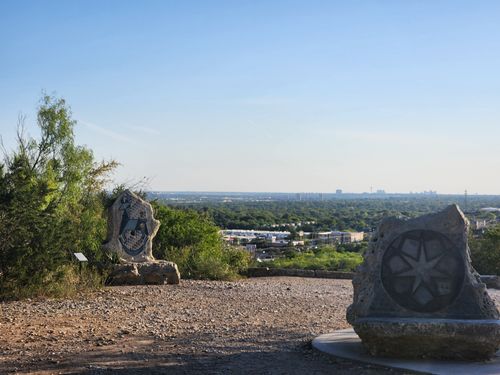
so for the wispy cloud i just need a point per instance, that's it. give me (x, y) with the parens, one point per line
(107, 132)
(144, 129)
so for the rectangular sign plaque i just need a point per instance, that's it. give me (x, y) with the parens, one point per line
(81, 257)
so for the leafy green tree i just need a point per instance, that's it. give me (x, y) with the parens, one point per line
(51, 194)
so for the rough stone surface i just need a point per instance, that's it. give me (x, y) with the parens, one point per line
(159, 272)
(324, 274)
(131, 228)
(333, 274)
(491, 281)
(430, 338)
(420, 270)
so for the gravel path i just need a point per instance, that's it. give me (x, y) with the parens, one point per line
(258, 326)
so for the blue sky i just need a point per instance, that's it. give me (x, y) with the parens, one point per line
(267, 95)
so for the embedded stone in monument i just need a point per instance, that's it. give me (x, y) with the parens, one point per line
(131, 229)
(144, 273)
(416, 295)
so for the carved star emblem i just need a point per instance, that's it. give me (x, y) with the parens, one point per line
(422, 269)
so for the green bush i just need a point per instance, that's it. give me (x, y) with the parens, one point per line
(51, 193)
(485, 252)
(193, 242)
(324, 258)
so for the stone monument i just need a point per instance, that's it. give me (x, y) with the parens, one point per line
(131, 229)
(416, 295)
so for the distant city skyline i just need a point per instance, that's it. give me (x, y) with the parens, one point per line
(307, 195)
(267, 96)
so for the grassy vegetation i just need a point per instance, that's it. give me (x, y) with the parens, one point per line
(324, 258)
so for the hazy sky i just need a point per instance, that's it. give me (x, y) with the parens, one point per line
(268, 95)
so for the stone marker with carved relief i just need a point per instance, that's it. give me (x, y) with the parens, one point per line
(416, 295)
(131, 229)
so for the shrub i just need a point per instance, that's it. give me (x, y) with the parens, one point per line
(323, 258)
(193, 242)
(485, 252)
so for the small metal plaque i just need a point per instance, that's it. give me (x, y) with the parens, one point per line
(80, 257)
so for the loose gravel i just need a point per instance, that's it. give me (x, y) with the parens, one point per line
(257, 326)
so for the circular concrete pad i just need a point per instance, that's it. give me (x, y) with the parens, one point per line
(346, 344)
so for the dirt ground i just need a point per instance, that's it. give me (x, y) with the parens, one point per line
(254, 326)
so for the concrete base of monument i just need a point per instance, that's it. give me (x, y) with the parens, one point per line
(346, 344)
(454, 339)
(146, 273)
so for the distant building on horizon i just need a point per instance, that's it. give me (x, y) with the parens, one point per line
(339, 237)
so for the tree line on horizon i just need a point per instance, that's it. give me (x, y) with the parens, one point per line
(350, 214)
